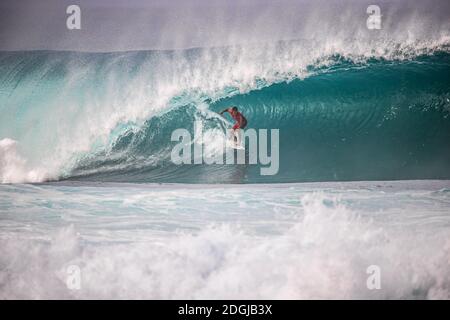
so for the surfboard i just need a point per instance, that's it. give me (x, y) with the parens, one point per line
(234, 145)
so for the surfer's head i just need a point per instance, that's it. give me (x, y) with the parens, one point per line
(233, 110)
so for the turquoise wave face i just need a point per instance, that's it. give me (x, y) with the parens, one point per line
(382, 120)
(110, 116)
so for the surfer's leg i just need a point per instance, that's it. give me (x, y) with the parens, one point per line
(235, 130)
(237, 136)
(231, 135)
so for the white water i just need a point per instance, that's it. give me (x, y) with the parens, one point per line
(13, 168)
(249, 241)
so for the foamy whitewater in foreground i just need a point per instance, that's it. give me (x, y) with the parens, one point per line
(288, 241)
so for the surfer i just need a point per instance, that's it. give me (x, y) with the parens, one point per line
(241, 122)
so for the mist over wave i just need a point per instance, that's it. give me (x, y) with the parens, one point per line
(182, 24)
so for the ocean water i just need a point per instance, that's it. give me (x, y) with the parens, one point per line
(89, 194)
(109, 116)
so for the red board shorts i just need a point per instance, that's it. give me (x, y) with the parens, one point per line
(238, 126)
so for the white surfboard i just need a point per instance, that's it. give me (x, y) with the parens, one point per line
(234, 145)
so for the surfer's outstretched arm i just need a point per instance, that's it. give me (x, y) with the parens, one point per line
(224, 110)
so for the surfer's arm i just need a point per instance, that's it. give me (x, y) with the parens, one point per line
(225, 110)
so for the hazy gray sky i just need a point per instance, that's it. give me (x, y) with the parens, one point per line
(164, 24)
